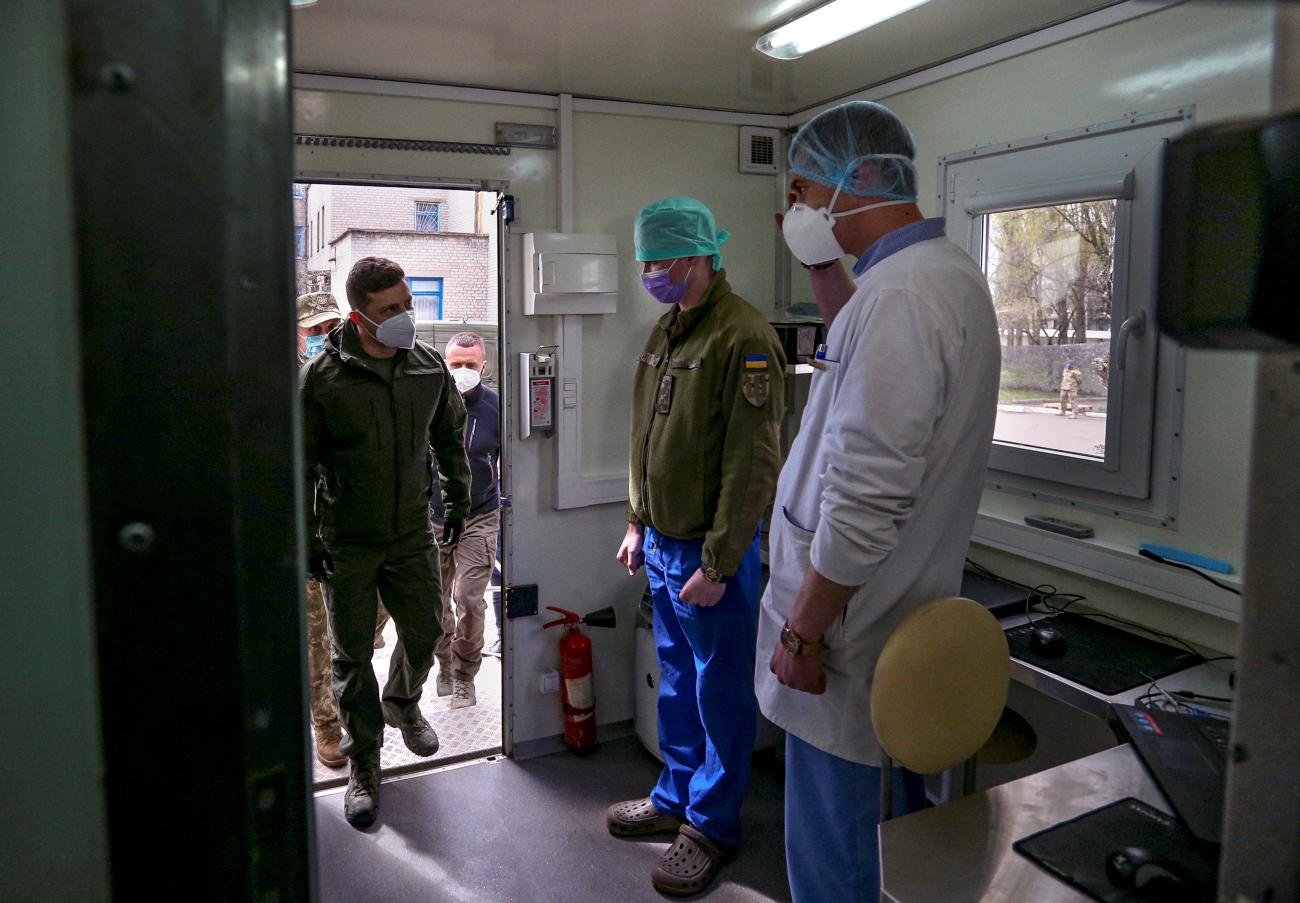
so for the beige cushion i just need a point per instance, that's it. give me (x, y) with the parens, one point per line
(940, 685)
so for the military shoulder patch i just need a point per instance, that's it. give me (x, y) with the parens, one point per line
(755, 388)
(756, 361)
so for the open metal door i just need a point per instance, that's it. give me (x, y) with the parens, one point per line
(506, 365)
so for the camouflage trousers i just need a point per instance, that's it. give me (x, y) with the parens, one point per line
(1068, 400)
(324, 708)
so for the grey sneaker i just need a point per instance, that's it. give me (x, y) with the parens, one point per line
(417, 733)
(494, 650)
(443, 683)
(462, 694)
(361, 799)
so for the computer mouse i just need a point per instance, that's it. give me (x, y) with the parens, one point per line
(1135, 868)
(1047, 642)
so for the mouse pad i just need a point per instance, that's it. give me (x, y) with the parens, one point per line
(1101, 657)
(1076, 851)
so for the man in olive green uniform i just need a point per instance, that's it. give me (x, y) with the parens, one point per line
(373, 403)
(707, 402)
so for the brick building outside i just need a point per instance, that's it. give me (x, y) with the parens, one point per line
(445, 240)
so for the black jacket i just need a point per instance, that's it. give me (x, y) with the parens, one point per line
(483, 448)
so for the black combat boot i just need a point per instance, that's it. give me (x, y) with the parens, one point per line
(361, 799)
(418, 735)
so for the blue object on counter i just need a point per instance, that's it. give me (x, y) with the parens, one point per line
(1200, 561)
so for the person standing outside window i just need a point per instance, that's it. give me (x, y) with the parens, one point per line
(373, 402)
(877, 499)
(467, 568)
(1071, 380)
(707, 403)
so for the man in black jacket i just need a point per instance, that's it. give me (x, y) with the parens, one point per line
(373, 404)
(467, 568)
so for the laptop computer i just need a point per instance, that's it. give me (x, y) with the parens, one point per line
(1187, 755)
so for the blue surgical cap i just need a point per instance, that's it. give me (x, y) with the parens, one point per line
(678, 227)
(842, 146)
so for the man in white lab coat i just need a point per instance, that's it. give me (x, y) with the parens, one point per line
(876, 502)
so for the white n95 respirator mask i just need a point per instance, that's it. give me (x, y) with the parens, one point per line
(466, 379)
(810, 233)
(396, 332)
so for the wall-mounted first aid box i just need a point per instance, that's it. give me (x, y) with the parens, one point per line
(568, 273)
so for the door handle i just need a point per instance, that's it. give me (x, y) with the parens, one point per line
(1134, 325)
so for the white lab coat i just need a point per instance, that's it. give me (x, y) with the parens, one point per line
(883, 481)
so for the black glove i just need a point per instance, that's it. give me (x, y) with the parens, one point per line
(452, 528)
(320, 566)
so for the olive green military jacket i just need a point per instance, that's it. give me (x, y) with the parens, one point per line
(367, 440)
(707, 402)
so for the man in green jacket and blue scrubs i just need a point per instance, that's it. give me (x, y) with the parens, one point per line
(373, 404)
(707, 403)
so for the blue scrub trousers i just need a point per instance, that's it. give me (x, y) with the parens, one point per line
(832, 809)
(707, 708)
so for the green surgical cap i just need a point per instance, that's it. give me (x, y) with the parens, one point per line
(678, 227)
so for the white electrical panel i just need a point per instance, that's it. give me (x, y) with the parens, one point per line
(569, 273)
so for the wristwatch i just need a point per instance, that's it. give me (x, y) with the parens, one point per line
(794, 644)
(711, 574)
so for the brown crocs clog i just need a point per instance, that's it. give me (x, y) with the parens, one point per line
(689, 865)
(638, 818)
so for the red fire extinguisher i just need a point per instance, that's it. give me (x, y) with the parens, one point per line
(576, 685)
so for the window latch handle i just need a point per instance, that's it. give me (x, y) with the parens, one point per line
(1134, 325)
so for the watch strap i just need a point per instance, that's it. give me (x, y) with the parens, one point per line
(797, 645)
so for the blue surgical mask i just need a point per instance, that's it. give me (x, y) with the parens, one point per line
(660, 285)
(315, 344)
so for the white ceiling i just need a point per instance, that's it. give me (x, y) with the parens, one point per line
(687, 52)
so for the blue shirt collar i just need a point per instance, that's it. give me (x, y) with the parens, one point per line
(888, 245)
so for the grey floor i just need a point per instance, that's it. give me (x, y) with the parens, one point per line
(530, 831)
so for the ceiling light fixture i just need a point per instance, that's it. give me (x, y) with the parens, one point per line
(297, 3)
(827, 24)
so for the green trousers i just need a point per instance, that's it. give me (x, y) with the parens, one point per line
(405, 573)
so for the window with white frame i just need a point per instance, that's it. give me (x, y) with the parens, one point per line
(1065, 228)
(426, 296)
(428, 216)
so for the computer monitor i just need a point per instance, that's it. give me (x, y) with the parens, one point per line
(1230, 235)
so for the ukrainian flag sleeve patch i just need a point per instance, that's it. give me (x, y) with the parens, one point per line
(756, 361)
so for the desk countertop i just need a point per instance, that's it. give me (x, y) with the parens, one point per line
(961, 852)
(1209, 678)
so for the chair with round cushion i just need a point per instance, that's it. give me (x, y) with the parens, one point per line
(939, 689)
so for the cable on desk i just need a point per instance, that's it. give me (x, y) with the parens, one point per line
(1147, 553)
(1047, 592)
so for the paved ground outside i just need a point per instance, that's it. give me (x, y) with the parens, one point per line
(1042, 427)
(460, 731)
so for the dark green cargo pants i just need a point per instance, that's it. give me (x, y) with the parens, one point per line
(406, 574)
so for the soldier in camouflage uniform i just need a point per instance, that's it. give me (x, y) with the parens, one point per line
(707, 402)
(1071, 380)
(318, 315)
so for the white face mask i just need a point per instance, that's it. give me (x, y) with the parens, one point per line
(466, 379)
(810, 234)
(395, 332)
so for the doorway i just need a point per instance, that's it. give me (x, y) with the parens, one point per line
(447, 238)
